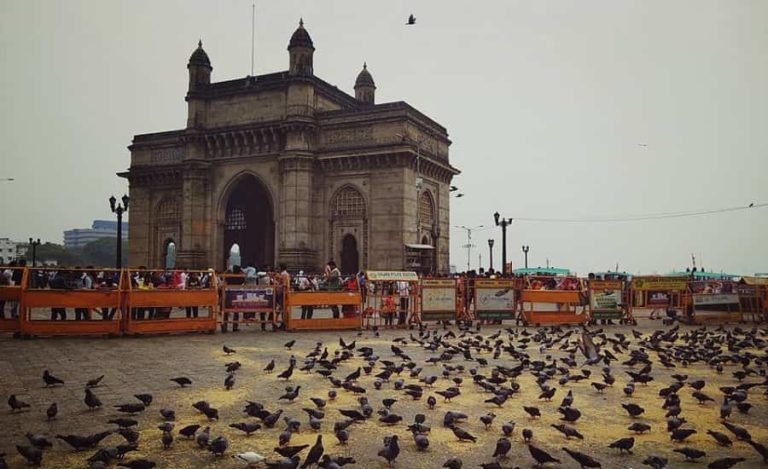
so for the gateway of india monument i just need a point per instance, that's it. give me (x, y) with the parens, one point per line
(287, 168)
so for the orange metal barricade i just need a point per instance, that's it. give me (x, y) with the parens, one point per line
(713, 301)
(439, 300)
(163, 300)
(659, 293)
(323, 298)
(242, 302)
(58, 295)
(10, 300)
(390, 292)
(552, 300)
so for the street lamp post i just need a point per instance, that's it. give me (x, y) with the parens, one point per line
(418, 181)
(490, 252)
(469, 244)
(119, 210)
(525, 251)
(34, 244)
(503, 222)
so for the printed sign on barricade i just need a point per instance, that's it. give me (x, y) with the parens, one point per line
(495, 299)
(438, 300)
(659, 283)
(246, 299)
(605, 299)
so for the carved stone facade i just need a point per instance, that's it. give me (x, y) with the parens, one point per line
(292, 170)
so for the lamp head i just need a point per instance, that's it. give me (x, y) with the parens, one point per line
(126, 199)
(112, 201)
(490, 243)
(496, 217)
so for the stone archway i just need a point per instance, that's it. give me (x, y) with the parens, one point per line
(249, 223)
(350, 256)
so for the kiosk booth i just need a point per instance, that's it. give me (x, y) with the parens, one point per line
(10, 300)
(390, 292)
(438, 300)
(551, 296)
(156, 303)
(58, 302)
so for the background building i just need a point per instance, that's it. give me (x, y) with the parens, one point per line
(79, 237)
(8, 250)
(287, 168)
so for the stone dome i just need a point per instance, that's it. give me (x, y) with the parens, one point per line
(364, 78)
(199, 57)
(300, 38)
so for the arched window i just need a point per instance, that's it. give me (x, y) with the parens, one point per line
(236, 220)
(348, 203)
(426, 209)
(168, 209)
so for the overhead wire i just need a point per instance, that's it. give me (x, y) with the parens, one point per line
(653, 216)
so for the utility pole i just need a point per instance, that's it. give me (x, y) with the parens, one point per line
(469, 244)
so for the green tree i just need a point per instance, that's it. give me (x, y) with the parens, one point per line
(101, 253)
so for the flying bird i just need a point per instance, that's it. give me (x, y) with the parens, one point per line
(411, 20)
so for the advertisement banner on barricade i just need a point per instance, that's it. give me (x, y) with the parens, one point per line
(438, 300)
(248, 299)
(606, 299)
(660, 283)
(495, 299)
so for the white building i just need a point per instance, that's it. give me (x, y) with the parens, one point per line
(8, 251)
(79, 237)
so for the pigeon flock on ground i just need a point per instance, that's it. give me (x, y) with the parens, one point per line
(572, 366)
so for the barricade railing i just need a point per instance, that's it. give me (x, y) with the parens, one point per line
(93, 295)
(321, 302)
(610, 300)
(553, 300)
(11, 279)
(158, 301)
(390, 298)
(245, 300)
(660, 294)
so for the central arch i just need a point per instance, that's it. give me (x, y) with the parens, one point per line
(249, 223)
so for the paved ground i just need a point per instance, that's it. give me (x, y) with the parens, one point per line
(145, 365)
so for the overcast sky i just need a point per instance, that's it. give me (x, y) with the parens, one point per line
(557, 109)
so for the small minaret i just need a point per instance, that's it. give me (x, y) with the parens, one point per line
(300, 52)
(365, 88)
(199, 67)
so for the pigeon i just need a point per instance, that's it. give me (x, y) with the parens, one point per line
(289, 345)
(145, 399)
(189, 431)
(760, 448)
(92, 383)
(168, 414)
(342, 435)
(166, 427)
(487, 419)
(290, 451)
(130, 408)
(508, 428)
(52, 411)
(527, 435)
(390, 451)
(16, 404)
(721, 438)
(77, 442)
(270, 366)
(570, 414)
(33, 455)
(584, 460)
(503, 445)
(463, 435)
(291, 395)
(656, 462)
(541, 456)
(725, 463)
(91, 400)
(691, 454)
(286, 375)
(228, 350)
(51, 380)
(131, 436)
(431, 402)
(218, 446)
(167, 440)
(633, 410)
(680, 434)
(286, 463)
(229, 381)
(138, 464)
(124, 422)
(315, 452)
(203, 437)
(453, 463)
(411, 20)
(533, 412)
(740, 432)
(250, 457)
(39, 441)
(182, 381)
(568, 431)
(639, 427)
(246, 427)
(421, 441)
(623, 444)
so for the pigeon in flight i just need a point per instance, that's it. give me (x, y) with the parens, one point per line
(411, 20)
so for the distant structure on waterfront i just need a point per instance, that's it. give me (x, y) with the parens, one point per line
(11, 250)
(287, 168)
(79, 237)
